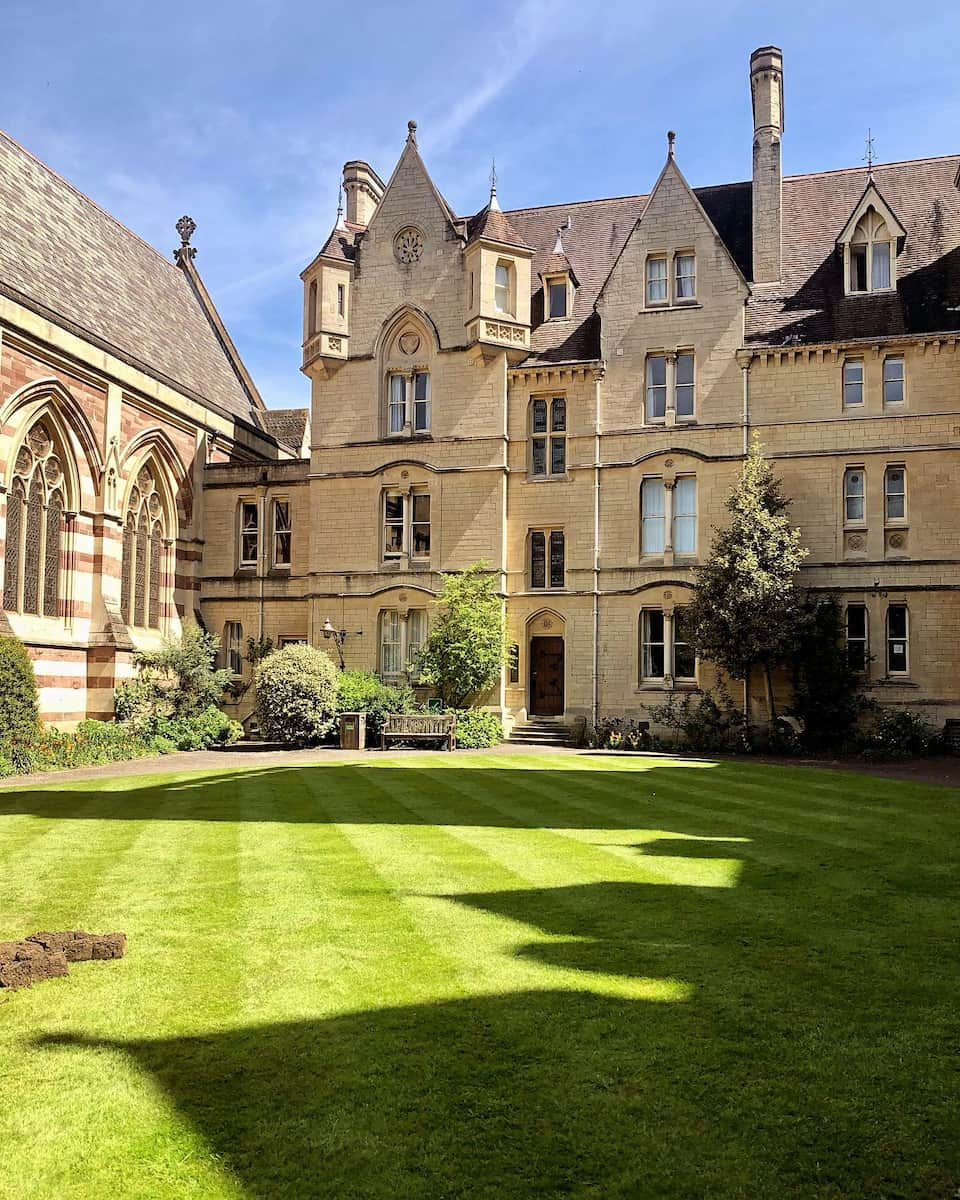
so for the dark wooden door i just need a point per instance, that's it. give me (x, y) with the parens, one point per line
(546, 676)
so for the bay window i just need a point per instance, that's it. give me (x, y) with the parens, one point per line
(503, 288)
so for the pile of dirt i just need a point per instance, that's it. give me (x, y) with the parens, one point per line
(46, 955)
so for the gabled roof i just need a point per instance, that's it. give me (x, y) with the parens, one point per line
(871, 198)
(287, 425)
(64, 257)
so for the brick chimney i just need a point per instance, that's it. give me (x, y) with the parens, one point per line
(364, 189)
(766, 87)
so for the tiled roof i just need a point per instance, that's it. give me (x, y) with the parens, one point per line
(287, 425)
(341, 243)
(808, 305)
(63, 256)
(493, 224)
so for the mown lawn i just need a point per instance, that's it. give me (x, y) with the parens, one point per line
(433, 977)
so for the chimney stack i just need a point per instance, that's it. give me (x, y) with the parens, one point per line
(364, 189)
(766, 87)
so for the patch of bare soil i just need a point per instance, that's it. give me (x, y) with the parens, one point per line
(46, 955)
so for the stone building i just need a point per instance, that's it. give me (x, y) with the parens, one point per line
(565, 392)
(118, 383)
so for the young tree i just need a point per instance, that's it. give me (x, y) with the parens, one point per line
(180, 679)
(747, 611)
(464, 651)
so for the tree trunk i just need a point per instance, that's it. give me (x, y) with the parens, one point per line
(770, 704)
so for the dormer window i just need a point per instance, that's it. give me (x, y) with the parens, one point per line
(557, 291)
(870, 241)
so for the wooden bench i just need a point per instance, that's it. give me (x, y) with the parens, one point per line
(419, 727)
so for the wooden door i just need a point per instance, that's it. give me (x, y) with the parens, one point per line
(546, 676)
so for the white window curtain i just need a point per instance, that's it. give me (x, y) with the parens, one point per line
(398, 403)
(652, 504)
(502, 288)
(686, 276)
(881, 265)
(391, 662)
(685, 515)
(656, 280)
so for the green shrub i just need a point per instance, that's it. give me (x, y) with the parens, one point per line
(211, 727)
(362, 691)
(296, 695)
(178, 680)
(897, 733)
(478, 728)
(709, 723)
(6, 766)
(19, 708)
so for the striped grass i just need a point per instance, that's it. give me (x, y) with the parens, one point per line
(426, 977)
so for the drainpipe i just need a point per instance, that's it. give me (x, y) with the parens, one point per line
(745, 368)
(595, 706)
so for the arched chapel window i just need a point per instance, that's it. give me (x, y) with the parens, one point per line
(141, 582)
(870, 254)
(34, 534)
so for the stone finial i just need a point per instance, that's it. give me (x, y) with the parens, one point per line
(412, 132)
(493, 203)
(671, 142)
(186, 227)
(871, 155)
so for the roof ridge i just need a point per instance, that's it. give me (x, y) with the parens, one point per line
(900, 162)
(88, 199)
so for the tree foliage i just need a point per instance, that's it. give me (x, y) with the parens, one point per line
(178, 680)
(296, 695)
(827, 694)
(747, 611)
(19, 709)
(464, 651)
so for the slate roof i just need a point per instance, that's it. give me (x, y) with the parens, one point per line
(493, 224)
(808, 305)
(62, 256)
(287, 425)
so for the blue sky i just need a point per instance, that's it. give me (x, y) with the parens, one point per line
(242, 113)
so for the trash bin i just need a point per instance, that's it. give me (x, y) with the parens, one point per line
(353, 731)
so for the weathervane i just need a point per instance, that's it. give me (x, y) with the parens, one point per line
(494, 202)
(870, 156)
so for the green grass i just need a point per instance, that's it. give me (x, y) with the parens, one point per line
(423, 978)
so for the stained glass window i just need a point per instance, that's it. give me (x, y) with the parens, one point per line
(33, 547)
(51, 565)
(11, 576)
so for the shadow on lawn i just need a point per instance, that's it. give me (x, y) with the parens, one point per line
(796, 1069)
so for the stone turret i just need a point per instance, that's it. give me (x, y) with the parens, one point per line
(364, 189)
(766, 86)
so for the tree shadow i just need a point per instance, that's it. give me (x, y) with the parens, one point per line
(794, 1069)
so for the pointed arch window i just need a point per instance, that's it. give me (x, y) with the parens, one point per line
(142, 583)
(870, 255)
(34, 534)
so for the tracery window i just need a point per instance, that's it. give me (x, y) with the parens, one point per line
(141, 581)
(35, 507)
(870, 255)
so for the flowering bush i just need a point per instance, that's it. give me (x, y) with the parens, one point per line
(617, 733)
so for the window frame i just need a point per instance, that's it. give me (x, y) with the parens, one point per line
(848, 474)
(503, 264)
(692, 385)
(653, 485)
(891, 639)
(901, 379)
(548, 539)
(233, 648)
(686, 516)
(245, 531)
(562, 283)
(649, 279)
(648, 417)
(678, 256)
(278, 563)
(647, 677)
(544, 443)
(406, 524)
(888, 517)
(675, 624)
(403, 641)
(853, 363)
(409, 404)
(341, 300)
(864, 243)
(863, 642)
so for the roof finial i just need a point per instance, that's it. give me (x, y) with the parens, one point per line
(494, 203)
(186, 227)
(558, 244)
(412, 132)
(671, 139)
(341, 224)
(870, 155)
